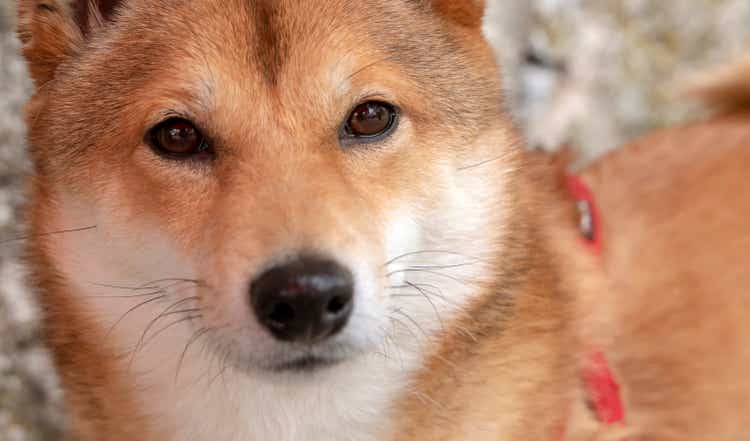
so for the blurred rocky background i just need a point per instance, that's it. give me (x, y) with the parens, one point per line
(595, 73)
(587, 73)
(28, 396)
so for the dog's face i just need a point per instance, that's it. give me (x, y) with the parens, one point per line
(299, 182)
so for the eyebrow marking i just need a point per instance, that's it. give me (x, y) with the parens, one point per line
(270, 48)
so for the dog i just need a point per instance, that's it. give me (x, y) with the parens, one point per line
(285, 220)
(259, 220)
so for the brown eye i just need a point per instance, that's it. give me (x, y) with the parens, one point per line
(369, 122)
(178, 138)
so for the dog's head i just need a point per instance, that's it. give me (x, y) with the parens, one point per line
(297, 181)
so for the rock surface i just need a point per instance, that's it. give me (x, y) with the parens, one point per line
(595, 73)
(588, 73)
(28, 393)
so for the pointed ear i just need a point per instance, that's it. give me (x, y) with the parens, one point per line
(54, 30)
(467, 13)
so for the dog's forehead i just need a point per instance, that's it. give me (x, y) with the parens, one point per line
(259, 40)
(262, 43)
(270, 32)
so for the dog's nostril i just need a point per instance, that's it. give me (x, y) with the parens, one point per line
(308, 299)
(282, 313)
(336, 305)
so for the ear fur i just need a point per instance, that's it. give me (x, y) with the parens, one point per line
(467, 13)
(54, 30)
(725, 90)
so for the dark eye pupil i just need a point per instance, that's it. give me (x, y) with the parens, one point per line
(370, 119)
(180, 138)
(182, 132)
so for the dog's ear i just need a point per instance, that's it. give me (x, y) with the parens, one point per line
(467, 13)
(53, 30)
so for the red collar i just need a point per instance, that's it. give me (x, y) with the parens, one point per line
(601, 387)
(589, 220)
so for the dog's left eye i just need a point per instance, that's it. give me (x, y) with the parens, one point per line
(178, 138)
(369, 122)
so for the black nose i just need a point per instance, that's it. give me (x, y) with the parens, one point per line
(306, 300)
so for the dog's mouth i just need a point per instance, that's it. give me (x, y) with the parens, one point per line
(306, 364)
(296, 360)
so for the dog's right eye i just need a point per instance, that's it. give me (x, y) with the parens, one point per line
(178, 138)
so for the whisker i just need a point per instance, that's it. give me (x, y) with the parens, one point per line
(416, 270)
(224, 365)
(482, 163)
(153, 322)
(173, 323)
(51, 233)
(437, 292)
(429, 300)
(144, 303)
(130, 296)
(158, 332)
(156, 290)
(154, 284)
(219, 356)
(196, 335)
(435, 287)
(407, 327)
(414, 322)
(389, 341)
(434, 291)
(417, 253)
(446, 266)
(125, 288)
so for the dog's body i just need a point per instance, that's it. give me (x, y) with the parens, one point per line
(674, 210)
(150, 260)
(671, 211)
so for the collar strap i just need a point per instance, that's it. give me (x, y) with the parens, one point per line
(589, 220)
(601, 387)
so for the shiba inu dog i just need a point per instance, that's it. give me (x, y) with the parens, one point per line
(295, 220)
(277, 220)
